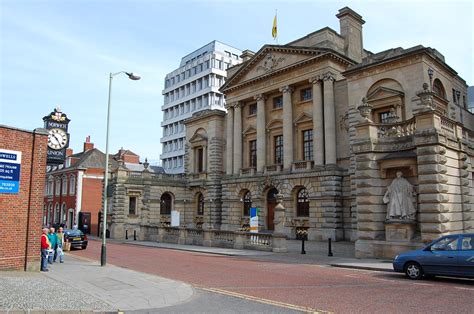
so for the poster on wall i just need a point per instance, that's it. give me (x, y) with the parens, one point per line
(10, 164)
(174, 218)
(254, 212)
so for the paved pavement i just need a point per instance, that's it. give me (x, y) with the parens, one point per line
(81, 285)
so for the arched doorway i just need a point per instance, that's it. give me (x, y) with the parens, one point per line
(271, 203)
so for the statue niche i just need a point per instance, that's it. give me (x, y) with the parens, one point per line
(399, 200)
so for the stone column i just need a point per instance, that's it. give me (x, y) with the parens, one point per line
(261, 136)
(287, 127)
(237, 138)
(204, 158)
(329, 119)
(318, 122)
(229, 139)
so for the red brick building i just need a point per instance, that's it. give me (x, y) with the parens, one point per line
(73, 194)
(21, 209)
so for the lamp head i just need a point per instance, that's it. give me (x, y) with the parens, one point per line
(133, 76)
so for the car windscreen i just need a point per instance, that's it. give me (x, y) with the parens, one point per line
(73, 233)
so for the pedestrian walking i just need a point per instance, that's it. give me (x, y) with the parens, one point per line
(60, 243)
(45, 247)
(53, 239)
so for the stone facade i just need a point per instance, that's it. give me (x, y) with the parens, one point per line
(327, 124)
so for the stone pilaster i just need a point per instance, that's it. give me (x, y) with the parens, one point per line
(287, 127)
(237, 138)
(229, 140)
(261, 136)
(329, 119)
(318, 123)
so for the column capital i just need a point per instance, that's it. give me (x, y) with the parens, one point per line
(286, 89)
(237, 104)
(260, 97)
(329, 76)
(316, 79)
(229, 106)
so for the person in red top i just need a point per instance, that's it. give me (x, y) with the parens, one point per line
(45, 247)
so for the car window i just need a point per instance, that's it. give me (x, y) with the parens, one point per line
(73, 233)
(446, 244)
(467, 243)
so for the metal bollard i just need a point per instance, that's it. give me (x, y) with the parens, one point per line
(134, 235)
(329, 247)
(126, 234)
(302, 245)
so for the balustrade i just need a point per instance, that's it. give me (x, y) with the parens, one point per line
(399, 129)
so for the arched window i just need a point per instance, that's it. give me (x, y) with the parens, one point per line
(63, 213)
(165, 204)
(438, 88)
(247, 203)
(302, 203)
(57, 215)
(72, 185)
(200, 205)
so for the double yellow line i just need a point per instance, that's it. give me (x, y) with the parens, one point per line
(264, 301)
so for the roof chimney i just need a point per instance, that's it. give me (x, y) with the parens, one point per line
(351, 30)
(87, 144)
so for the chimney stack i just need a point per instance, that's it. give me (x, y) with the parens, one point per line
(87, 144)
(351, 30)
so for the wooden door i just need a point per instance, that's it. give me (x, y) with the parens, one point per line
(271, 203)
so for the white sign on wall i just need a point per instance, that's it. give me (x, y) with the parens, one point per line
(174, 218)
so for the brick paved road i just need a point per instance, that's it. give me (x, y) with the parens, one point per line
(316, 287)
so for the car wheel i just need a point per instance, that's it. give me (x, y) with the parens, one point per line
(413, 270)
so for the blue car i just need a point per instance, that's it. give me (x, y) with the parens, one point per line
(451, 255)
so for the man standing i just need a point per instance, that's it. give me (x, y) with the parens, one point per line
(53, 240)
(45, 247)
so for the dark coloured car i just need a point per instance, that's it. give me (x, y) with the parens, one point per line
(76, 237)
(451, 255)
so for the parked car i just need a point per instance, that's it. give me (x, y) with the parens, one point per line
(451, 255)
(76, 237)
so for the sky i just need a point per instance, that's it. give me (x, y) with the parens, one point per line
(60, 52)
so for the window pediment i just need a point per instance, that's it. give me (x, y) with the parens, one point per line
(274, 124)
(384, 93)
(302, 117)
(249, 130)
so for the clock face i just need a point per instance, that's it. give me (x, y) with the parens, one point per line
(57, 139)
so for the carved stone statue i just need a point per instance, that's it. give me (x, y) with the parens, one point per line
(399, 200)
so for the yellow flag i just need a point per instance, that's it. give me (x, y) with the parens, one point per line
(274, 28)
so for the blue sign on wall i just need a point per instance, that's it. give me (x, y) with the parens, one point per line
(10, 165)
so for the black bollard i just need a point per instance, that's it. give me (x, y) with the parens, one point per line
(126, 234)
(134, 235)
(329, 247)
(302, 245)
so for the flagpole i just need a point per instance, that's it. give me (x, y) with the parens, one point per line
(276, 14)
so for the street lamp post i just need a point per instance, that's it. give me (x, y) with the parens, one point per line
(103, 254)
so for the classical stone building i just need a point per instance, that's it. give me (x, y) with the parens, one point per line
(327, 124)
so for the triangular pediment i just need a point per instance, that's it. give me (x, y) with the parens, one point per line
(273, 59)
(302, 117)
(199, 135)
(383, 93)
(249, 130)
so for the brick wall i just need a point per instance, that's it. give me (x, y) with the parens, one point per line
(92, 198)
(21, 213)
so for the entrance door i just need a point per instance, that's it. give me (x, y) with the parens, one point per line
(271, 203)
(70, 221)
